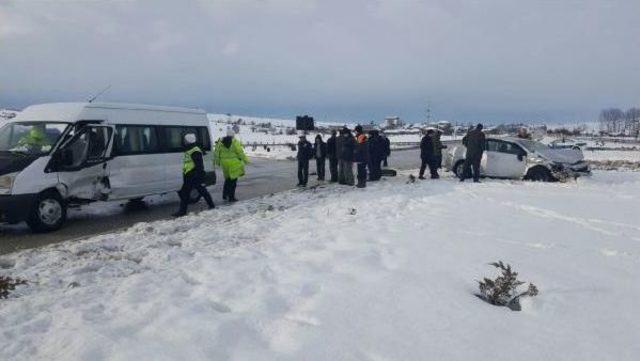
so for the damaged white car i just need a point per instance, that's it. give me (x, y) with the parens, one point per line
(516, 158)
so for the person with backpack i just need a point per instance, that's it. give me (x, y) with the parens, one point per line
(305, 153)
(229, 155)
(192, 175)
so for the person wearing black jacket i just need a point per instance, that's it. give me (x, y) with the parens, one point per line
(427, 155)
(345, 146)
(192, 175)
(332, 154)
(387, 150)
(361, 156)
(320, 153)
(474, 141)
(305, 153)
(377, 147)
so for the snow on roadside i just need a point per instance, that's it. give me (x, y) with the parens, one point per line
(386, 273)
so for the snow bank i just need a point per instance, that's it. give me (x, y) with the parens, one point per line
(386, 273)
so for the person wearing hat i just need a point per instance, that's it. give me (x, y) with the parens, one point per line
(320, 153)
(305, 153)
(192, 175)
(361, 156)
(229, 155)
(332, 154)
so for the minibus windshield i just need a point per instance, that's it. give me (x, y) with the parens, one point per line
(31, 138)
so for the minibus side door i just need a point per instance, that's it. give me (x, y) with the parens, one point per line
(81, 163)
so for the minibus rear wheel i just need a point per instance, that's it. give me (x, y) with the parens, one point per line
(49, 212)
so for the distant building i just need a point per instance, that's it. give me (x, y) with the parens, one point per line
(393, 122)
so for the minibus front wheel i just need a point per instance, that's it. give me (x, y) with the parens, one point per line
(49, 212)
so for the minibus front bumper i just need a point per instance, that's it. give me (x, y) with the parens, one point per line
(15, 208)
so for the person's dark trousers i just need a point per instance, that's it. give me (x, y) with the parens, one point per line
(433, 168)
(423, 167)
(375, 170)
(303, 172)
(229, 189)
(333, 169)
(385, 163)
(362, 175)
(187, 186)
(469, 165)
(320, 168)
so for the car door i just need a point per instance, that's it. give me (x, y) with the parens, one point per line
(490, 163)
(507, 160)
(81, 163)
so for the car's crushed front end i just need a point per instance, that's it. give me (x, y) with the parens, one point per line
(566, 171)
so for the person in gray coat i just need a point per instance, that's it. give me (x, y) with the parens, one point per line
(475, 143)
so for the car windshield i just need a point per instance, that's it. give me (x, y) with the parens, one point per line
(532, 145)
(30, 138)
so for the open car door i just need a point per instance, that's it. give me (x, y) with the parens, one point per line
(81, 163)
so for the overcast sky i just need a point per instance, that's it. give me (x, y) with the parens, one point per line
(357, 60)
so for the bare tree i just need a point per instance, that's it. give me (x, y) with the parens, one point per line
(632, 121)
(611, 120)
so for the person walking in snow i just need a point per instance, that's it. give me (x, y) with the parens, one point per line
(346, 144)
(332, 154)
(192, 175)
(361, 156)
(320, 153)
(474, 141)
(437, 149)
(305, 153)
(229, 155)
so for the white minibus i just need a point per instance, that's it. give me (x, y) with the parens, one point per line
(57, 155)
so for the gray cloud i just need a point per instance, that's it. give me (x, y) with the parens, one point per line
(351, 59)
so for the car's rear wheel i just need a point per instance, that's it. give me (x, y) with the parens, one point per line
(48, 213)
(539, 174)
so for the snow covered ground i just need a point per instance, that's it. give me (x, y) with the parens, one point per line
(386, 273)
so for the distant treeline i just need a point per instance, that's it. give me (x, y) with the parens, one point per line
(615, 121)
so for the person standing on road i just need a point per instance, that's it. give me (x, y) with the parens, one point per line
(426, 155)
(387, 150)
(361, 156)
(346, 146)
(474, 141)
(305, 153)
(229, 155)
(437, 150)
(320, 153)
(192, 175)
(332, 154)
(377, 147)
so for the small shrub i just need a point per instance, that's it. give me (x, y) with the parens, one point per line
(8, 284)
(503, 291)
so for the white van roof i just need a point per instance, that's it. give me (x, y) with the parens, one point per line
(126, 113)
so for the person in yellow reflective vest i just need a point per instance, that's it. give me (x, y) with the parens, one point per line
(192, 175)
(229, 155)
(35, 140)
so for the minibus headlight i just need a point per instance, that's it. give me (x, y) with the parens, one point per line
(6, 181)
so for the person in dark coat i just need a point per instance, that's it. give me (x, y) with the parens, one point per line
(320, 153)
(192, 175)
(332, 154)
(305, 153)
(475, 143)
(427, 155)
(361, 156)
(345, 146)
(377, 147)
(387, 150)
(437, 148)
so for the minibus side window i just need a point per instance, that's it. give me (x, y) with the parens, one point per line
(136, 139)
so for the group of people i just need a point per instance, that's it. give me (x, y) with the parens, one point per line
(228, 154)
(431, 153)
(368, 152)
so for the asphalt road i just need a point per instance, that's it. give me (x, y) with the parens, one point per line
(264, 177)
